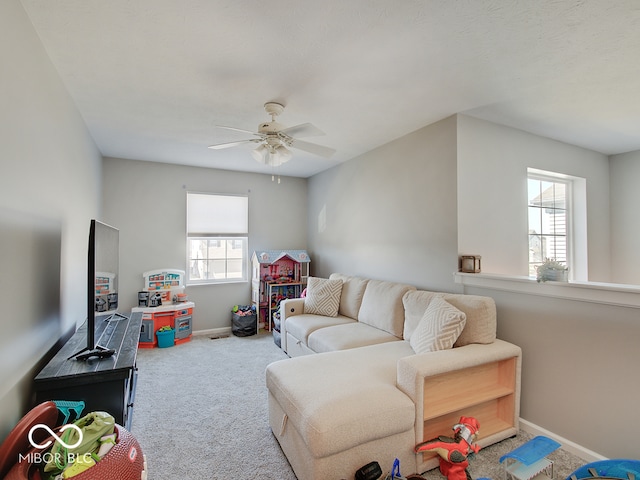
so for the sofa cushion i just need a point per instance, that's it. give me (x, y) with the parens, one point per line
(439, 328)
(348, 335)
(481, 318)
(352, 293)
(382, 306)
(301, 326)
(334, 408)
(323, 296)
(481, 323)
(415, 303)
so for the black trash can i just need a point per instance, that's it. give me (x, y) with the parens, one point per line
(244, 325)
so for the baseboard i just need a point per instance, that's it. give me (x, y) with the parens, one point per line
(214, 332)
(567, 445)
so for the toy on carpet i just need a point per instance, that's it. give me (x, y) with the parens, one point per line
(529, 460)
(617, 468)
(102, 451)
(454, 452)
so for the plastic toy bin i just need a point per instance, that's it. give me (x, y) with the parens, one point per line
(165, 339)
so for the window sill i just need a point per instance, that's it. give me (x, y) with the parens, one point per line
(593, 292)
(218, 282)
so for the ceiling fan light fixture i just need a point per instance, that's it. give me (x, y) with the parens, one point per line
(270, 155)
(273, 139)
(282, 154)
(261, 153)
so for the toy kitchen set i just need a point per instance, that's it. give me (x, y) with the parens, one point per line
(163, 303)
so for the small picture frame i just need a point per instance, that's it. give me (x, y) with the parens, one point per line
(469, 263)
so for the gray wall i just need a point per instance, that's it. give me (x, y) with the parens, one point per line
(578, 358)
(147, 202)
(579, 368)
(625, 217)
(50, 168)
(393, 214)
(492, 194)
(390, 213)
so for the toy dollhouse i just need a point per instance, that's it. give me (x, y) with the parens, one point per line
(276, 275)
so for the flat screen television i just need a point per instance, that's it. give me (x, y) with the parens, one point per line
(102, 285)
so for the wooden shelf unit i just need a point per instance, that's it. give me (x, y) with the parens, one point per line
(486, 392)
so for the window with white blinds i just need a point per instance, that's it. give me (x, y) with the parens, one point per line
(217, 238)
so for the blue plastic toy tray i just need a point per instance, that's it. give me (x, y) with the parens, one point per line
(532, 451)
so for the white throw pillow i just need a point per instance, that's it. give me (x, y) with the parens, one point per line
(323, 296)
(439, 328)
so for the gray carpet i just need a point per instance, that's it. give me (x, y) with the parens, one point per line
(201, 413)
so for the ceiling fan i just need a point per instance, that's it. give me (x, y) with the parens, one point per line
(273, 139)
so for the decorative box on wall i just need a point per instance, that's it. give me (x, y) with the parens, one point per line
(276, 275)
(470, 263)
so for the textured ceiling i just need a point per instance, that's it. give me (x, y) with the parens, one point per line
(152, 78)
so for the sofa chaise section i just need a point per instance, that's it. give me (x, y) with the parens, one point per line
(336, 409)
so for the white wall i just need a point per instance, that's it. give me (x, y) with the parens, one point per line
(390, 213)
(50, 168)
(625, 217)
(147, 202)
(492, 194)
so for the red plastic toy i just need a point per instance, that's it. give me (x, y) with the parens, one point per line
(453, 452)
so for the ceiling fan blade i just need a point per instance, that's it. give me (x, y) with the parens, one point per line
(302, 130)
(237, 129)
(312, 148)
(220, 146)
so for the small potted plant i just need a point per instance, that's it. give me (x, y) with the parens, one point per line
(552, 270)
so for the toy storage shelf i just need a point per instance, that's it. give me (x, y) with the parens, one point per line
(486, 392)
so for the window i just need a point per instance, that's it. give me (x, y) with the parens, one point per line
(549, 218)
(217, 242)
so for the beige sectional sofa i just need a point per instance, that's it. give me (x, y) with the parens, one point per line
(378, 367)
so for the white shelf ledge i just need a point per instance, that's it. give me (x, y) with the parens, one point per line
(594, 292)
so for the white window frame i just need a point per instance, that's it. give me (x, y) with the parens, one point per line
(576, 213)
(222, 218)
(554, 178)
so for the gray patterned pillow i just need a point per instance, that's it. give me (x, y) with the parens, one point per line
(439, 328)
(323, 296)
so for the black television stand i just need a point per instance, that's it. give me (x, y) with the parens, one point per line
(103, 383)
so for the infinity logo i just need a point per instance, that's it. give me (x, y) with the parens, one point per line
(60, 441)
